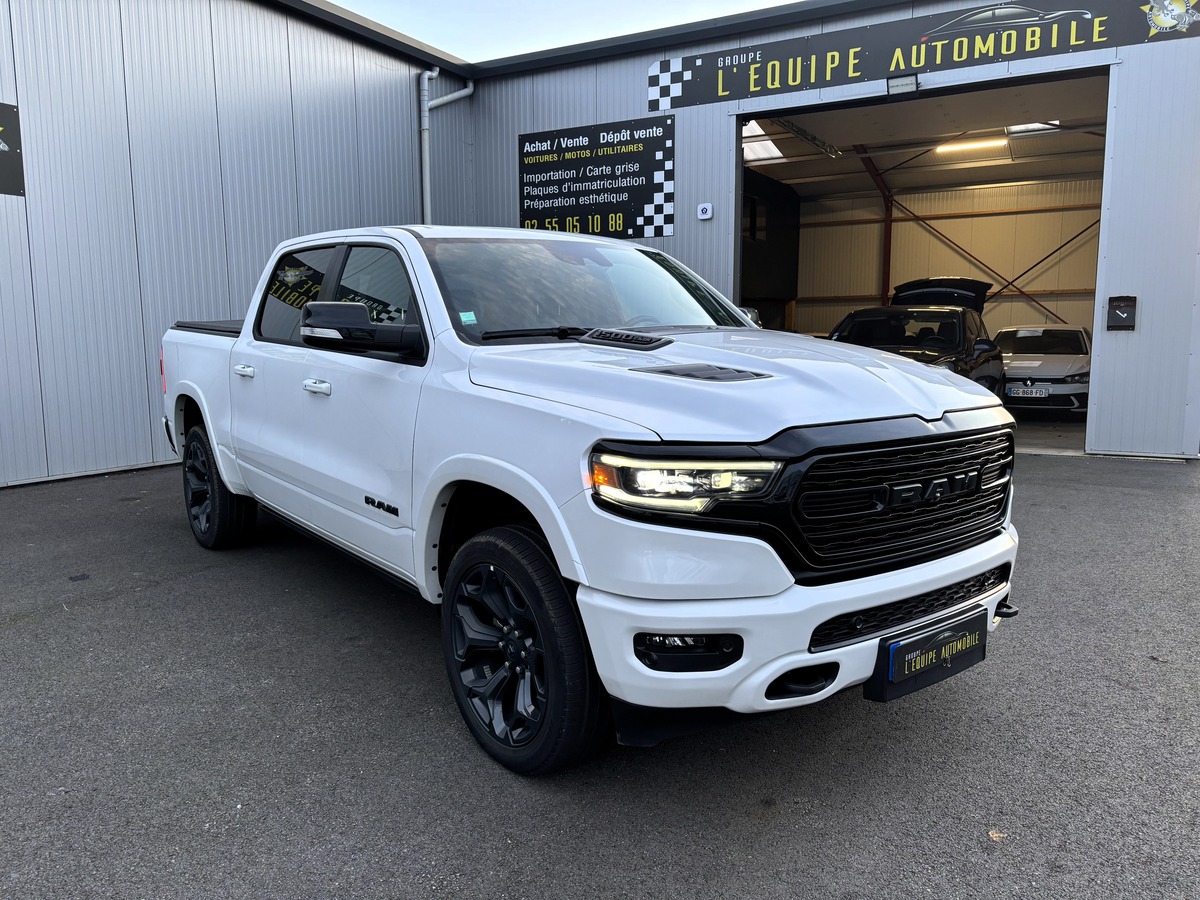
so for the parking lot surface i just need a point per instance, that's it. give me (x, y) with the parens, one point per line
(275, 722)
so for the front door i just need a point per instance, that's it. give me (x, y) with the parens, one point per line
(359, 430)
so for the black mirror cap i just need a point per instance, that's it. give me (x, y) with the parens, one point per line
(348, 326)
(983, 345)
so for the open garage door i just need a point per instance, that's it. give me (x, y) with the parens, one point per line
(1001, 184)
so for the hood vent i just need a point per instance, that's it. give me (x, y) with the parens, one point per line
(630, 340)
(705, 372)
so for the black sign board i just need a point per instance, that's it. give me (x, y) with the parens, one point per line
(1122, 313)
(615, 180)
(12, 172)
(999, 32)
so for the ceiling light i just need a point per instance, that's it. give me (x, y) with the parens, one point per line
(1052, 125)
(759, 147)
(985, 144)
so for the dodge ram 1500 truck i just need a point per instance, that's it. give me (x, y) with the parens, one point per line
(635, 508)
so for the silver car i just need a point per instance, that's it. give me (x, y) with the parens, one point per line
(1046, 366)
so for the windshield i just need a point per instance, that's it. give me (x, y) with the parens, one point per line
(913, 330)
(493, 286)
(1042, 341)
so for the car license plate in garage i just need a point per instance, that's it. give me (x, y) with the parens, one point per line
(1028, 392)
(916, 660)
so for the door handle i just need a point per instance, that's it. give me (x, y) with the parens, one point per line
(244, 370)
(317, 387)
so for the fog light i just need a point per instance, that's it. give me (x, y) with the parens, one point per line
(687, 652)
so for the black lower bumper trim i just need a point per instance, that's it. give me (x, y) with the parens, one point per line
(648, 726)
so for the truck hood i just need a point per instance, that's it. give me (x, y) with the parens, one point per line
(787, 380)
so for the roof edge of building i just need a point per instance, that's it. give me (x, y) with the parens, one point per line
(661, 39)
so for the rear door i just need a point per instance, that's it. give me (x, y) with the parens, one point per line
(359, 432)
(268, 382)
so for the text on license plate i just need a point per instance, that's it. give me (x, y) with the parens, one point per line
(1028, 392)
(940, 648)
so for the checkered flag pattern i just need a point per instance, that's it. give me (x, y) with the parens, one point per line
(384, 312)
(658, 216)
(666, 82)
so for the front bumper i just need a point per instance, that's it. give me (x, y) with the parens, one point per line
(1068, 397)
(776, 631)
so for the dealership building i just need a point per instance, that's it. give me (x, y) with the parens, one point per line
(803, 159)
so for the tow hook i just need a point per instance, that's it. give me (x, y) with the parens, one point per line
(1005, 610)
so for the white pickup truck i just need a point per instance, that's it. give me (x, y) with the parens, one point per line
(635, 508)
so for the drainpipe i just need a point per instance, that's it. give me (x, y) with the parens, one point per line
(426, 154)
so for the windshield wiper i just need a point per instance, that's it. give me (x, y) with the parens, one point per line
(562, 332)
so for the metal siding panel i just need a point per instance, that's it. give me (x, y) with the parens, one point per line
(178, 206)
(326, 133)
(82, 242)
(452, 144)
(258, 156)
(1145, 383)
(8, 72)
(22, 433)
(385, 98)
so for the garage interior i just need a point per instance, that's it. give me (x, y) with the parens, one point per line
(1002, 183)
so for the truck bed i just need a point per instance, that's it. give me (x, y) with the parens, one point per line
(227, 327)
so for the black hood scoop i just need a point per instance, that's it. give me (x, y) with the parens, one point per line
(705, 372)
(630, 340)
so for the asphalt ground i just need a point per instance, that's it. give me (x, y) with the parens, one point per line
(275, 722)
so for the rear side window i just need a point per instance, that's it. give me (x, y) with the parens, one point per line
(295, 281)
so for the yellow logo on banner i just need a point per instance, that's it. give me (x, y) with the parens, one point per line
(1170, 15)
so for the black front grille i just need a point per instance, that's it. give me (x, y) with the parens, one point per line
(900, 502)
(862, 624)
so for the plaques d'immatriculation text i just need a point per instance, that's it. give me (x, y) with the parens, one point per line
(612, 180)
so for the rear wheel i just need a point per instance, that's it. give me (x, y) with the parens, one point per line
(516, 655)
(219, 517)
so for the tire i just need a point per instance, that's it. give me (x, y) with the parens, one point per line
(516, 656)
(219, 517)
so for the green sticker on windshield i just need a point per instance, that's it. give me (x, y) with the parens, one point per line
(468, 318)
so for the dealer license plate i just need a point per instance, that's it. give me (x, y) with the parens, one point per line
(916, 660)
(1028, 392)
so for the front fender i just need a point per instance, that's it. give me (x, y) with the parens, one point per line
(517, 483)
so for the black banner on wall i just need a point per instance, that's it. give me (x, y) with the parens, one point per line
(12, 171)
(1000, 32)
(614, 180)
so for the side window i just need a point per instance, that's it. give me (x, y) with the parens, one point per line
(375, 277)
(975, 328)
(295, 281)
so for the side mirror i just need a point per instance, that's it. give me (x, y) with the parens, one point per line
(348, 326)
(983, 345)
(752, 314)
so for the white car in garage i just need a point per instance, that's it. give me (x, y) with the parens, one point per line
(1046, 366)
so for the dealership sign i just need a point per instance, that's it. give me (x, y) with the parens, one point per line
(12, 172)
(616, 179)
(1000, 32)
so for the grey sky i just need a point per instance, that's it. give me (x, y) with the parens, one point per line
(476, 30)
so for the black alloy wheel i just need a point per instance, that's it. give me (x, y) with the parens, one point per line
(516, 656)
(219, 517)
(501, 654)
(197, 486)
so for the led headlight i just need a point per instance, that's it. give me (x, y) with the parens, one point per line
(677, 485)
(1081, 378)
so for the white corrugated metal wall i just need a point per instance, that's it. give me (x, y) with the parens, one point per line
(1146, 382)
(168, 148)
